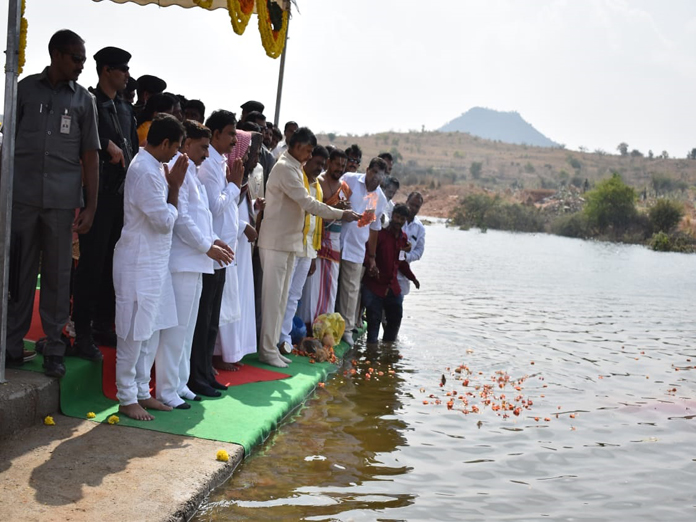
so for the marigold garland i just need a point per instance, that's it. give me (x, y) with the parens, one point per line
(240, 14)
(23, 27)
(205, 4)
(273, 41)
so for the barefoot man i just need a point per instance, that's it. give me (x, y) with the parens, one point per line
(145, 301)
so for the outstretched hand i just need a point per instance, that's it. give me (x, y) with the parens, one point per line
(349, 215)
(417, 283)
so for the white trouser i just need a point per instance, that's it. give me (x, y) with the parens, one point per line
(349, 280)
(277, 270)
(134, 361)
(299, 277)
(173, 361)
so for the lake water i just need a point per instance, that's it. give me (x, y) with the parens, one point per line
(598, 338)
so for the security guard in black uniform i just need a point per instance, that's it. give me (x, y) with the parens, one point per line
(93, 290)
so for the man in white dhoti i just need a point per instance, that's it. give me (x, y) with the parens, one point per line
(195, 250)
(280, 239)
(305, 260)
(238, 338)
(319, 294)
(142, 281)
(222, 188)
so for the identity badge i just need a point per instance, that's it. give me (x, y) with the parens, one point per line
(65, 124)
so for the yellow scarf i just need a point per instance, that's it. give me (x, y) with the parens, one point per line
(316, 239)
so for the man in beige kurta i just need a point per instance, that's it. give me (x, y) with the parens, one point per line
(280, 239)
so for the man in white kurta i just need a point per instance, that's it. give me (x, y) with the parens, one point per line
(195, 250)
(142, 281)
(305, 261)
(368, 199)
(415, 231)
(222, 188)
(280, 238)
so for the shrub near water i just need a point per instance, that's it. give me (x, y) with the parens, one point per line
(484, 212)
(611, 206)
(665, 215)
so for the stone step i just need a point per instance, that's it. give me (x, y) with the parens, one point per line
(25, 399)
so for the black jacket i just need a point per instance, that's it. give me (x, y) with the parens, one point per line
(112, 177)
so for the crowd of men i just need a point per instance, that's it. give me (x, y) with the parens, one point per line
(200, 238)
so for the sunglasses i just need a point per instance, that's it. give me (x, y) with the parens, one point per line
(354, 160)
(77, 58)
(122, 68)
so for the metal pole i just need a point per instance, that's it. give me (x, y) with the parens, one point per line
(279, 94)
(6, 179)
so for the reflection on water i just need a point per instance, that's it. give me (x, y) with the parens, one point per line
(604, 334)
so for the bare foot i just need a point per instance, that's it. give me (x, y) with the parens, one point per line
(276, 361)
(154, 404)
(135, 411)
(284, 359)
(238, 365)
(225, 366)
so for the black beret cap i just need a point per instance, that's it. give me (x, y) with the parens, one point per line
(252, 106)
(150, 83)
(132, 85)
(112, 56)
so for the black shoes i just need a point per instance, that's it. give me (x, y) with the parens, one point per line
(217, 385)
(85, 348)
(183, 406)
(203, 389)
(53, 366)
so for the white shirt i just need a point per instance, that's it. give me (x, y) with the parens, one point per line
(193, 230)
(141, 256)
(415, 232)
(280, 148)
(353, 237)
(222, 198)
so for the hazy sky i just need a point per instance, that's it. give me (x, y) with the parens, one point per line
(589, 73)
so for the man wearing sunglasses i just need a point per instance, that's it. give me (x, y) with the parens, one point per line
(93, 291)
(57, 146)
(354, 154)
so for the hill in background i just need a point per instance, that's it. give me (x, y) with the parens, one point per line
(457, 163)
(508, 127)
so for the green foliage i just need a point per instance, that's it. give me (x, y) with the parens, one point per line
(661, 242)
(665, 215)
(331, 136)
(635, 153)
(691, 154)
(611, 205)
(484, 212)
(572, 225)
(475, 169)
(675, 242)
(529, 168)
(623, 148)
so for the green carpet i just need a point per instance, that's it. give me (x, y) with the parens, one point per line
(243, 415)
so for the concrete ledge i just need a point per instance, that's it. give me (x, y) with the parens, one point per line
(25, 399)
(79, 470)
